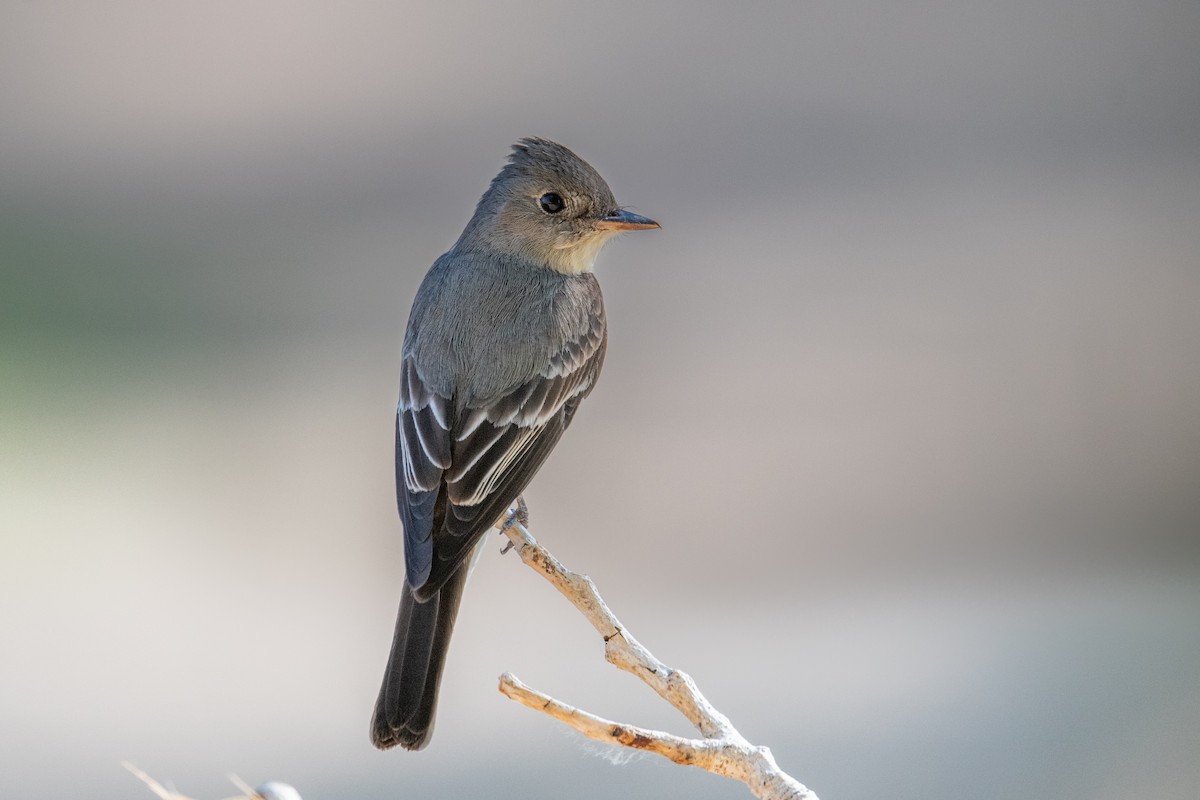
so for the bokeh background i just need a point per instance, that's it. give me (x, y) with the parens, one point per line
(897, 448)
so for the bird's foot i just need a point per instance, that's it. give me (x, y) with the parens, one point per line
(521, 511)
(517, 515)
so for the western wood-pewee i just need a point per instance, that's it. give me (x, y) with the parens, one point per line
(505, 339)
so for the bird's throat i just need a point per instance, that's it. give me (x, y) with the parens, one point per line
(579, 256)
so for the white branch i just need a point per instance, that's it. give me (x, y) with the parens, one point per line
(722, 750)
(268, 791)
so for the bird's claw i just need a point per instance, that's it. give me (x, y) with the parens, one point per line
(517, 515)
(521, 511)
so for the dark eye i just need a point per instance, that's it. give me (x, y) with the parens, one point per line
(551, 203)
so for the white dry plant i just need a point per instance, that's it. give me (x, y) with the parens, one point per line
(721, 749)
(272, 790)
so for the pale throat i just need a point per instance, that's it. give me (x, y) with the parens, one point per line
(579, 255)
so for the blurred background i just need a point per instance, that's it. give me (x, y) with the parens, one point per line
(897, 449)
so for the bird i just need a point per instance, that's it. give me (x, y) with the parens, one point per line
(505, 339)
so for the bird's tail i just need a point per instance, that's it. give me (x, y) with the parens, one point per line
(408, 697)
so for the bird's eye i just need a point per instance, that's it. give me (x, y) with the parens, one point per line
(551, 203)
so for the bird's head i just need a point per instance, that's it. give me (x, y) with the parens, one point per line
(551, 207)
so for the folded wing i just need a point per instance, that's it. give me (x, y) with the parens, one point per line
(458, 471)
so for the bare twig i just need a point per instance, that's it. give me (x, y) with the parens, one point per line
(268, 791)
(722, 750)
(154, 785)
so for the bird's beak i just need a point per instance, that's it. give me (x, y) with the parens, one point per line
(622, 220)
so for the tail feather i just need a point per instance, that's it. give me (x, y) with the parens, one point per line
(408, 698)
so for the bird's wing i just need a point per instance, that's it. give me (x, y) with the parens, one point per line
(470, 469)
(423, 421)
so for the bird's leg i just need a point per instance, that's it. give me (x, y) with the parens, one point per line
(517, 514)
(521, 511)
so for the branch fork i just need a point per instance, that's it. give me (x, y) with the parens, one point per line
(721, 749)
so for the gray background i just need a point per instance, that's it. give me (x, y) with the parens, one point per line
(897, 448)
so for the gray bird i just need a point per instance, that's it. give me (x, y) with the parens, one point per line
(505, 338)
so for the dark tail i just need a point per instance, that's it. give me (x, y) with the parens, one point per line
(408, 698)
